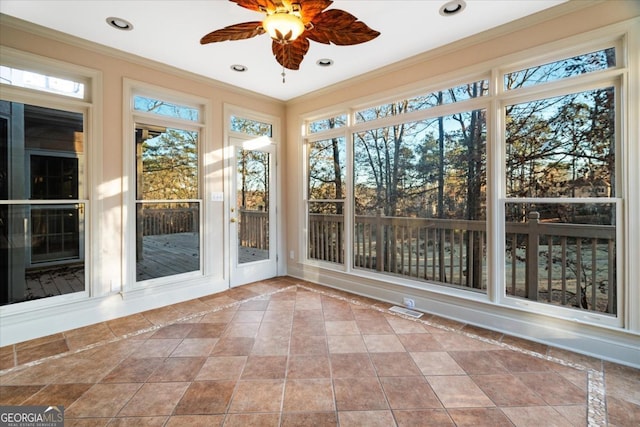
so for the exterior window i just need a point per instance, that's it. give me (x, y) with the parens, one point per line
(401, 189)
(562, 254)
(42, 206)
(54, 177)
(166, 109)
(563, 146)
(54, 234)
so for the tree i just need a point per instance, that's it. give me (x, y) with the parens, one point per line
(403, 165)
(169, 165)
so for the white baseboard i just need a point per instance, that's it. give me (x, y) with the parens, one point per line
(22, 326)
(617, 346)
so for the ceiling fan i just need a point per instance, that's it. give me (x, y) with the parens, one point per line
(292, 23)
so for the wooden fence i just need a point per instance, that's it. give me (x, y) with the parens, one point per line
(578, 261)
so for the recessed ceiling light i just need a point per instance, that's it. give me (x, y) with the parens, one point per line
(324, 62)
(119, 23)
(452, 8)
(239, 68)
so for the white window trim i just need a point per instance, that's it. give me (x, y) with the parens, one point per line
(131, 118)
(91, 108)
(623, 37)
(38, 64)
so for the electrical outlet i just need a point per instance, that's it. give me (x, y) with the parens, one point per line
(408, 302)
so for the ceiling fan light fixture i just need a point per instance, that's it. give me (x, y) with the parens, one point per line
(283, 27)
(292, 24)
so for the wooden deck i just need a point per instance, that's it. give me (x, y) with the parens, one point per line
(54, 280)
(163, 255)
(168, 254)
(246, 255)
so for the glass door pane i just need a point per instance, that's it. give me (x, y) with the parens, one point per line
(252, 204)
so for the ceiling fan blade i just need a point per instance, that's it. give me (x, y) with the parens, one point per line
(309, 9)
(341, 28)
(290, 55)
(245, 30)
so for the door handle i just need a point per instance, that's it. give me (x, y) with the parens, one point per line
(233, 220)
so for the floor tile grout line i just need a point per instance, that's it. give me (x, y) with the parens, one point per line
(136, 333)
(596, 408)
(461, 332)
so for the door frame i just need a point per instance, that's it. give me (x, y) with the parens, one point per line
(277, 239)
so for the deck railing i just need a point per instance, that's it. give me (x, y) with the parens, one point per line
(578, 261)
(254, 229)
(566, 264)
(254, 225)
(169, 221)
(447, 251)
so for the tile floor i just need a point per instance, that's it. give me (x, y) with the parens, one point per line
(285, 352)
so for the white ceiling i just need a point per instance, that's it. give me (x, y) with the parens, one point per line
(169, 32)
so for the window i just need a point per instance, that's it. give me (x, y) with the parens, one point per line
(562, 146)
(251, 126)
(43, 204)
(419, 199)
(562, 254)
(561, 211)
(400, 189)
(423, 102)
(166, 109)
(329, 123)
(558, 70)
(326, 195)
(54, 177)
(168, 201)
(42, 82)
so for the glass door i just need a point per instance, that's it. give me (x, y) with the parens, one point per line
(252, 211)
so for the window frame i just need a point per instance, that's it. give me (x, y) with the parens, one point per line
(81, 191)
(90, 175)
(495, 102)
(131, 119)
(613, 77)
